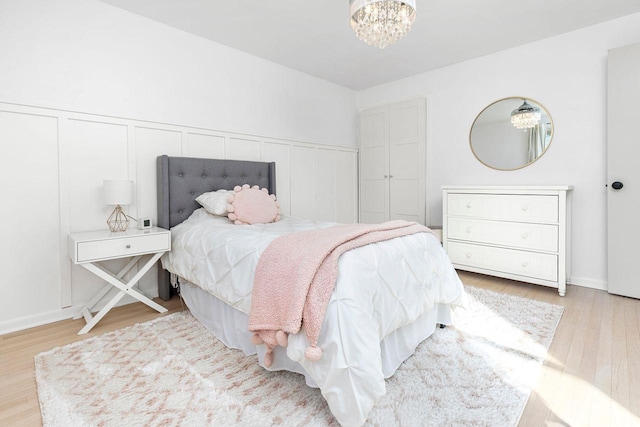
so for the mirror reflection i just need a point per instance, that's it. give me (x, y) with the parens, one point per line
(511, 133)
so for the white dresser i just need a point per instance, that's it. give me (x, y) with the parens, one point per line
(516, 232)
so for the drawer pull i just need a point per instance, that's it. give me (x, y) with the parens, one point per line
(468, 204)
(525, 263)
(525, 207)
(468, 254)
(468, 229)
(525, 235)
(128, 246)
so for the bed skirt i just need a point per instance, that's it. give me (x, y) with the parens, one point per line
(230, 326)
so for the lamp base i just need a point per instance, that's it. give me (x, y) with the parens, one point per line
(118, 220)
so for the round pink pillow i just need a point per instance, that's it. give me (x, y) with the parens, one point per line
(252, 205)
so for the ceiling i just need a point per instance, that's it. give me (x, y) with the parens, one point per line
(315, 37)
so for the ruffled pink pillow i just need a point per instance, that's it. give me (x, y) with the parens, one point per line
(252, 205)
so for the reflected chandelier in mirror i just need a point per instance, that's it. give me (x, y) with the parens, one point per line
(511, 133)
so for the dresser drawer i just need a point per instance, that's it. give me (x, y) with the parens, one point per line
(512, 261)
(540, 237)
(95, 250)
(527, 208)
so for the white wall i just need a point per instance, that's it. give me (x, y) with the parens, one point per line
(91, 92)
(567, 74)
(88, 56)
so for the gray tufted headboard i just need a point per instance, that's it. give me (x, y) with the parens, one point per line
(182, 179)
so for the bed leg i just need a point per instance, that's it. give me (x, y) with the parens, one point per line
(442, 326)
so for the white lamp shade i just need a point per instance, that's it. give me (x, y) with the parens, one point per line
(118, 191)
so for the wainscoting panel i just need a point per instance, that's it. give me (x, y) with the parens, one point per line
(58, 160)
(346, 197)
(151, 143)
(281, 154)
(326, 185)
(304, 170)
(243, 149)
(208, 146)
(97, 151)
(30, 216)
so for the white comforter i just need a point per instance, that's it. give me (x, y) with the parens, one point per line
(381, 287)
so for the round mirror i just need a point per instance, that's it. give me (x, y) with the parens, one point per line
(511, 133)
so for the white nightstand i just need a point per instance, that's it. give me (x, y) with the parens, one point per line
(88, 248)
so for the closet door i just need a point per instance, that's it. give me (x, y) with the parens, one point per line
(407, 170)
(623, 192)
(374, 169)
(392, 162)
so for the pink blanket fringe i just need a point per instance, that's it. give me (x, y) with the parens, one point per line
(296, 275)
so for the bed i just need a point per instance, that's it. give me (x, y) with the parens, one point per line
(388, 298)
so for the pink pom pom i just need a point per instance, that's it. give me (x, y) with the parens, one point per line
(232, 216)
(246, 186)
(237, 188)
(255, 187)
(313, 353)
(256, 339)
(282, 339)
(268, 358)
(273, 196)
(278, 217)
(238, 222)
(265, 190)
(231, 208)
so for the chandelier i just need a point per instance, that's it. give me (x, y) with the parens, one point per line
(381, 22)
(525, 116)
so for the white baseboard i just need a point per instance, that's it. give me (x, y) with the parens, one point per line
(589, 283)
(39, 319)
(26, 322)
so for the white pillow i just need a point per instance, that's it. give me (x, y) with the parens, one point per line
(215, 202)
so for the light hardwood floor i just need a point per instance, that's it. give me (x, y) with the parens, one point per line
(19, 397)
(591, 376)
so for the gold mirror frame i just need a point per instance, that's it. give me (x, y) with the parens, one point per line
(499, 145)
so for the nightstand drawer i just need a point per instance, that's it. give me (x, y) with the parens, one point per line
(97, 250)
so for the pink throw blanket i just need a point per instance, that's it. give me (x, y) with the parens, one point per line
(296, 275)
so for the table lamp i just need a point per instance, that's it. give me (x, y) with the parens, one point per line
(118, 192)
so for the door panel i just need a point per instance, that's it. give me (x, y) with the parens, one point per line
(623, 150)
(373, 162)
(407, 164)
(403, 201)
(403, 164)
(374, 185)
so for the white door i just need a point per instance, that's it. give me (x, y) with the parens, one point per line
(392, 162)
(407, 161)
(374, 152)
(623, 173)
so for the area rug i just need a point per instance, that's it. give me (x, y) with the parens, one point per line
(172, 372)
